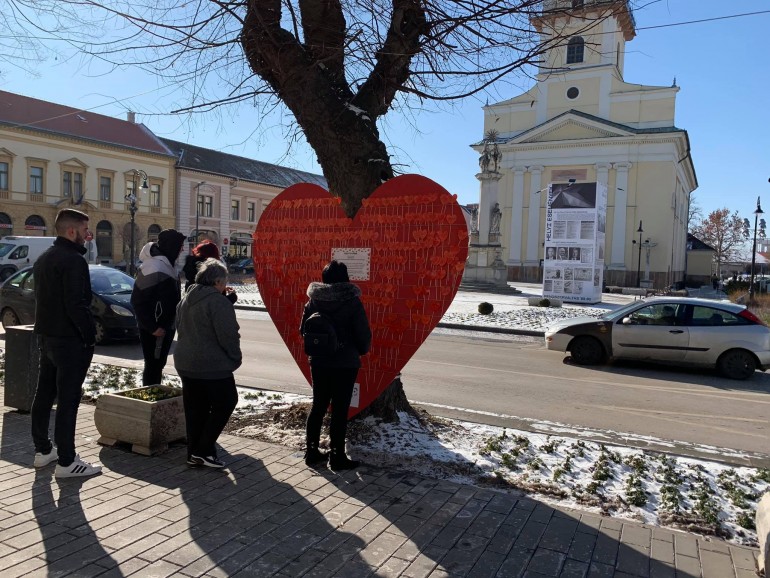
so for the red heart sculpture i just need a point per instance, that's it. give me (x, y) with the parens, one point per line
(415, 237)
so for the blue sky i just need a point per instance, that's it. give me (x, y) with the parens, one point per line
(721, 67)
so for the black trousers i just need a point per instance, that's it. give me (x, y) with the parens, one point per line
(153, 368)
(63, 368)
(208, 404)
(335, 385)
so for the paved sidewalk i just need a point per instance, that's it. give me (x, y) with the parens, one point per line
(269, 515)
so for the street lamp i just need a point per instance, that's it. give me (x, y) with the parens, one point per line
(758, 211)
(197, 208)
(132, 198)
(639, 260)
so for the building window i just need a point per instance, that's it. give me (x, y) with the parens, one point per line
(251, 211)
(6, 225)
(4, 176)
(155, 195)
(35, 226)
(205, 206)
(573, 92)
(235, 210)
(36, 180)
(105, 188)
(66, 187)
(104, 239)
(575, 49)
(152, 233)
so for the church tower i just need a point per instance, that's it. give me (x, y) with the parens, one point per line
(583, 123)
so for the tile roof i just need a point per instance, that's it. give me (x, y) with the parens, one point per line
(39, 115)
(211, 161)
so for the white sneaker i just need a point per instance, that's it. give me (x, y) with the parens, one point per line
(77, 469)
(42, 460)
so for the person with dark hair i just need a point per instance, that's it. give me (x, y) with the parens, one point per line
(204, 250)
(67, 335)
(155, 296)
(334, 376)
(208, 351)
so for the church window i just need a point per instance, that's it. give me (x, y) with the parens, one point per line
(575, 50)
(573, 92)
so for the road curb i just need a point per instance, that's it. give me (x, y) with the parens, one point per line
(460, 326)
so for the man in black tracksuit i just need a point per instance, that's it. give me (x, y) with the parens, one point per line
(155, 297)
(67, 336)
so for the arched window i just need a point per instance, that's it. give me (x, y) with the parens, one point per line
(575, 49)
(35, 226)
(6, 225)
(152, 233)
(104, 239)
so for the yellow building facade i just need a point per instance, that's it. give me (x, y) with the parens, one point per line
(52, 157)
(583, 122)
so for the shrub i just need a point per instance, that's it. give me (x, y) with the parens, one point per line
(545, 302)
(485, 308)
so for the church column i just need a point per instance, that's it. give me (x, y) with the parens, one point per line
(533, 220)
(517, 217)
(490, 182)
(619, 225)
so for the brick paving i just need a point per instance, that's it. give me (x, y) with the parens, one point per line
(269, 515)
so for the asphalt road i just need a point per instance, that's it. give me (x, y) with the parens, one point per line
(514, 382)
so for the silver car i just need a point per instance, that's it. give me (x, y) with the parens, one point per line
(677, 330)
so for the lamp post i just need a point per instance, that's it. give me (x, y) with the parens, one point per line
(132, 198)
(197, 208)
(639, 259)
(758, 211)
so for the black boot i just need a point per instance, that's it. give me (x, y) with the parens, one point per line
(315, 456)
(339, 461)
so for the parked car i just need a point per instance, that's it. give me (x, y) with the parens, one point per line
(678, 330)
(111, 303)
(19, 252)
(243, 266)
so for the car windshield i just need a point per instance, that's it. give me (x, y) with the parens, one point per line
(5, 248)
(622, 312)
(110, 282)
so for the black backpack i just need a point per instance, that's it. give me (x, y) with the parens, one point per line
(320, 335)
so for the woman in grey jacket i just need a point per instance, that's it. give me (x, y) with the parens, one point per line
(207, 353)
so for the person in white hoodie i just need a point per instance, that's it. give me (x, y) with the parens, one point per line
(208, 351)
(155, 296)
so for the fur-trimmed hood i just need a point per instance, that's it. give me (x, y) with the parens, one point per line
(333, 292)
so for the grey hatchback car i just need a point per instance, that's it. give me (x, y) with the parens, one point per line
(110, 305)
(675, 330)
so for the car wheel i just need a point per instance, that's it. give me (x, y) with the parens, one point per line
(10, 318)
(101, 335)
(737, 364)
(586, 350)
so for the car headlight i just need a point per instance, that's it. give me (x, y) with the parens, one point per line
(120, 310)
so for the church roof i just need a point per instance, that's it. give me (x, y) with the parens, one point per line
(695, 244)
(211, 161)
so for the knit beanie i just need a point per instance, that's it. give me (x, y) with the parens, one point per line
(170, 242)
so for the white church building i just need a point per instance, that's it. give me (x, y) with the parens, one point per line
(583, 123)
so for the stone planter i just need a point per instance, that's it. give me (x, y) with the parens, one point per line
(149, 426)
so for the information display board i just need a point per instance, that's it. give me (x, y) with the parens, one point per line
(575, 224)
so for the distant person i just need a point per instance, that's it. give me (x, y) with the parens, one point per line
(155, 297)
(65, 326)
(204, 250)
(334, 376)
(207, 353)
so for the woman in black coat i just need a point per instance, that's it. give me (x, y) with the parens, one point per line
(334, 375)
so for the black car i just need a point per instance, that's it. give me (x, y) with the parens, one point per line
(111, 303)
(243, 266)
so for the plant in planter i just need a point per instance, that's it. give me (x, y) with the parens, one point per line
(148, 418)
(545, 302)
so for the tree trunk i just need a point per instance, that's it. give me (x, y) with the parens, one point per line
(389, 403)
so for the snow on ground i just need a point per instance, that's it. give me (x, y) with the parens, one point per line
(697, 495)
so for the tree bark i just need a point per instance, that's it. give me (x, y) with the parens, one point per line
(389, 403)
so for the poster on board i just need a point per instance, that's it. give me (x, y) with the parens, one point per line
(575, 227)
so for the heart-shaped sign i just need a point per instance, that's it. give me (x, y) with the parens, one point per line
(405, 249)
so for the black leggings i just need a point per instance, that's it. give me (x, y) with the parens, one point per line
(153, 368)
(335, 385)
(208, 404)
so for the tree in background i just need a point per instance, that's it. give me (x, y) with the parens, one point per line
(694, 214)
(724, 232)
